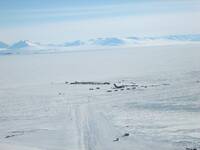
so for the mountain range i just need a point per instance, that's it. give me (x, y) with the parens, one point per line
(28, 46)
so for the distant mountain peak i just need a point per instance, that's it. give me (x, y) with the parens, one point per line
(110, 41)
(3, 45)
(24, 44)
(74, 43)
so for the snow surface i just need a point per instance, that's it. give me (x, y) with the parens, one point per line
(38, 110)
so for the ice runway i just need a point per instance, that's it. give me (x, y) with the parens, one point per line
(39, 111)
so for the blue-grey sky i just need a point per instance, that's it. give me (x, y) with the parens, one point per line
(61, 20)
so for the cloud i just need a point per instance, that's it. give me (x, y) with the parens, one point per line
(139, 18)
(154, 24)
(32, 15)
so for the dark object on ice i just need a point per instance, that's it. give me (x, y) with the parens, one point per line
(91, 83)
(59, 93)
(118, 87)
(66, 82)
(155, 85)
(134, 88)
(116, 90)
(91, 89)
(126, 134)
(115, 140)
(128, 89)
(125, 85)
(165, 84)
(97, 88)
(9, 136)
(122, 89)
(109, 90)
(191, 148)
(144, 86)
(197, 81)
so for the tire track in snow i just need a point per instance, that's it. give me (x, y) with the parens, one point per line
(94, 131)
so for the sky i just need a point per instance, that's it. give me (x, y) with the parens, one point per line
(57, 21)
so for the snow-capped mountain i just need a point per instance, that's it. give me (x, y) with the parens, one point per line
(25, 44)
(107, 41)
(3, 45)
(97, 41)
(74, 43)
(135, 41)
(190, 37)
